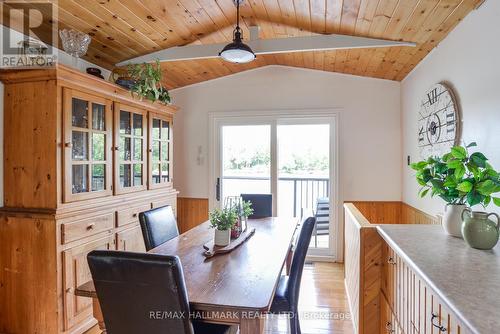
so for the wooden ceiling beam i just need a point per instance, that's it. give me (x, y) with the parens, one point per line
(270, 46)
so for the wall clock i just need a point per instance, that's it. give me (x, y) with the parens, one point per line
(438, 121)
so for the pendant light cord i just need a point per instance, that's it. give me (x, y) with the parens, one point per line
(237, 14)
(237, 30)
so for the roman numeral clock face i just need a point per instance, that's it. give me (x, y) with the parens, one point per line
(438, 122)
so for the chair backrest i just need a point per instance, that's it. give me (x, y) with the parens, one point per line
(140, 292)
(299, 258)
(158, 226)
(262, 204)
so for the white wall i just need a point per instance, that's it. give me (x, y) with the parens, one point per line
(369, 124)
(468, 59)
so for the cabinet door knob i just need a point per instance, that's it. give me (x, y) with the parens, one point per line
(391, 260)
(90, 226)
(116, 148)
(68, 145)
(440, 328)
(388, 327)
(134, 215)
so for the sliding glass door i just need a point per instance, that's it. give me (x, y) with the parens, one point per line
(246, 160)
(291, 158)
(304, 174)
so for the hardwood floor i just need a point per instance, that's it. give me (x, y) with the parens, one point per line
(323, 303)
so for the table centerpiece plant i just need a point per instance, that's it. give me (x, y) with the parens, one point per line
(460, 178)
(246, 211)
(243, 209)
(222, 220)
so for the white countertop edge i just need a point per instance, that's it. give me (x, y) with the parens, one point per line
(409, 261)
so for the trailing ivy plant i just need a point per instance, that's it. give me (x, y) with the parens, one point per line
(459, 177)
(147, 82)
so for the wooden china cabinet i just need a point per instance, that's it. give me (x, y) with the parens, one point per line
(82, 158)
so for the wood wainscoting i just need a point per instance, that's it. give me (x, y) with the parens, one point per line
(393, 212)
(411, 215)
(191, 212)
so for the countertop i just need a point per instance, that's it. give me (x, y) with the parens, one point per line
(466, 279)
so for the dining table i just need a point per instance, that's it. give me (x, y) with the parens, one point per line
(235, 288)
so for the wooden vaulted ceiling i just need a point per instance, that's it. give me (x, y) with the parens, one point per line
(128, 28)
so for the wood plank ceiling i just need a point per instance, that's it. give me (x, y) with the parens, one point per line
(128, 28)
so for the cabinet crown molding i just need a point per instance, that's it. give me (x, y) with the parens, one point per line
(73, 78)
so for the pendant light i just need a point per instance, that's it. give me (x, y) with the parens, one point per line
(237, 51)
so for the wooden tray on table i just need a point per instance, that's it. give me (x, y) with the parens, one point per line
(212, 250)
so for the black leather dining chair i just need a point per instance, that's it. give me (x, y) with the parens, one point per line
(144, 293)
(262, 205)
(286, 297)
(158, 226)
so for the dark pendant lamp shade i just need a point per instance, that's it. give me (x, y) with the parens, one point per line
(237, 51)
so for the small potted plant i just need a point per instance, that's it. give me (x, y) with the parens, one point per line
(243, 210)
(460, 179)
(222, 221)
(246, 212)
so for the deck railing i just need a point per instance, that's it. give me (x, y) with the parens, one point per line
(305, 190)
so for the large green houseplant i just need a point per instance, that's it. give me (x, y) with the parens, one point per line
(460, 178)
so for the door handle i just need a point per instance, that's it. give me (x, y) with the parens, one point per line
(388, 328)
(440, 328)
(217, 190)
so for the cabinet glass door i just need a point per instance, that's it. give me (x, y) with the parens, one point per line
(87, 124)
(130, 137)
(160, 157)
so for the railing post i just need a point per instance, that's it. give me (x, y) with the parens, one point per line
(295, 198)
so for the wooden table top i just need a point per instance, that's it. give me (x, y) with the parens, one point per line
(244, 279)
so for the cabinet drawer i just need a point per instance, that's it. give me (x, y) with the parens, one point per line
(129, 216)
(86, 227)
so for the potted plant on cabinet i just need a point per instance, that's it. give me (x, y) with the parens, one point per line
(222, 221)
(460, 179)
(146, 82)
